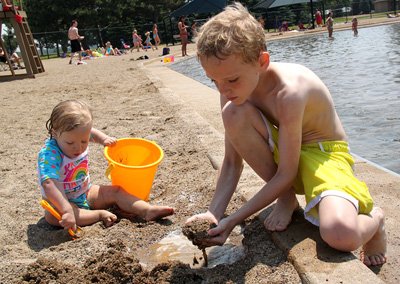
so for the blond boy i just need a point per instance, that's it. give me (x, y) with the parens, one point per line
(280, 118)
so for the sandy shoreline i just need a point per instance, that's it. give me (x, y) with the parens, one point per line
(127, 102)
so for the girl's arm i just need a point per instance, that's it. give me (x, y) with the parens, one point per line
(56, 195)
(99, 137)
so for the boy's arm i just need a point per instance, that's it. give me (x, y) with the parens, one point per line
(56, 195)
(228, 178)
(101, 138)
(290, 138)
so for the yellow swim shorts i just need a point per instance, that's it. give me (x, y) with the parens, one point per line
(325, 169)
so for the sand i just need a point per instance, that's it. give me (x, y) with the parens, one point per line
(126, 103)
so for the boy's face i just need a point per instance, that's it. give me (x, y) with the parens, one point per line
(73, 143)
(234, 79)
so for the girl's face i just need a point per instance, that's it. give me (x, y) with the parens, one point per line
(73, 143)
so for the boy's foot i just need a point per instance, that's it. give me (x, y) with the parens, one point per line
(374, 251)
(156, 212)
(107, 218)
(281, 216)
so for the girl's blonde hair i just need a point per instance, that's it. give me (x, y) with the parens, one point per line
(233, 31)
(147, 34)
(67, 116)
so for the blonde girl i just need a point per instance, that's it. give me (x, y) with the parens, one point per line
(64, 178)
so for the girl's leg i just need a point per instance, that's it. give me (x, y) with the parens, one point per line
(103, 197)
(85, 217)
(344, 229)
(248, 134)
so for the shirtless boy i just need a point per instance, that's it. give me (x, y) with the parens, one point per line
(280, 118)
(74, 38)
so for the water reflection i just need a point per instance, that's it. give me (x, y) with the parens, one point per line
(363, 74)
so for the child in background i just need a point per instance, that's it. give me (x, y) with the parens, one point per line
(281, 119)
(147, 41)
(63, 173)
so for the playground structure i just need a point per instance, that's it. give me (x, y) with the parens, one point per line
(29, 53)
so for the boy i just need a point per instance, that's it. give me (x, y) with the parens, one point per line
(280, 118)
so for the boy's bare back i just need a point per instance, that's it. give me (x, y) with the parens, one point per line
(296, 93)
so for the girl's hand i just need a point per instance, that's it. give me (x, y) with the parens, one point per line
(109, 141)
(68, 221)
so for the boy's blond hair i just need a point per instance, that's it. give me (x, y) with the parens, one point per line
(233, 31)
(67, 116)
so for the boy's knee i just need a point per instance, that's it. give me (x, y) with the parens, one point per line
(233, 114)
(341, 236)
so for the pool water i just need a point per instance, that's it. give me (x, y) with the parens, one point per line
(363, 74)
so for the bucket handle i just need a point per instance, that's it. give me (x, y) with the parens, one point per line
(108, 171)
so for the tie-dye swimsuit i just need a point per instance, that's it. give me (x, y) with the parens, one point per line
(72, 174)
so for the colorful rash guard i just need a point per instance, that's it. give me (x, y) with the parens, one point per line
(73, 174)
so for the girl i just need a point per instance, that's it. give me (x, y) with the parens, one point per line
(155, 36)
(148, 42)
(63, 173)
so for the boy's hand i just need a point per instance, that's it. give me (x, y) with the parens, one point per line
(218, 235)
(68, 221)
(109, 141)
(204, 216)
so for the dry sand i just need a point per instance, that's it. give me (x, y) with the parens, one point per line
(126, 103)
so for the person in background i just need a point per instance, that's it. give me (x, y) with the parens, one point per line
(318, 18)
(156, 37)
(183, 34)
(136, 41)
(194, 29)
(330, 24)
(74, 38)
(14, 58)
(148, 41)
(354, 24)
(262, 22)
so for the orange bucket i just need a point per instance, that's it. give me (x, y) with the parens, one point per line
(133, 165)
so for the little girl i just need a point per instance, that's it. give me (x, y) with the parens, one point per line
(148, 42)
(63, 173)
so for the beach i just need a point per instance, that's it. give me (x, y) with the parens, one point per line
(137, 98)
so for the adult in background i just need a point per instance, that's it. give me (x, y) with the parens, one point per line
(183, 34)
(74, 37)
(155, 36)
(318, 18)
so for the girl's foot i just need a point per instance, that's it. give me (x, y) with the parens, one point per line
(107, 218)
(374, 251)
(156, 212)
